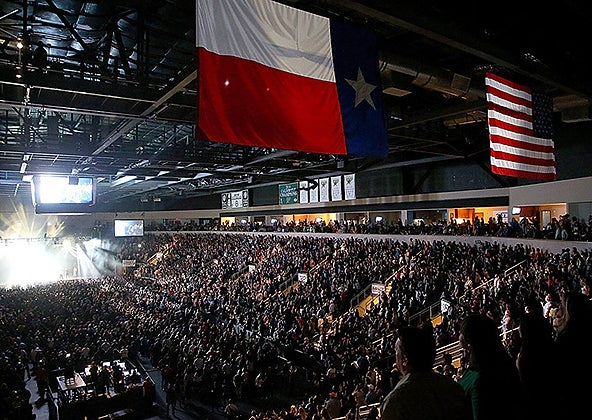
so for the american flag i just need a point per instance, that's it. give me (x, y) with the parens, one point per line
(520, 130)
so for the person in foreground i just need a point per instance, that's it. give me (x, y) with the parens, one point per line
(422, 393)
(491, 380)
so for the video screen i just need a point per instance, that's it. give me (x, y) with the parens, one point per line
(129, 227)
(63, 189)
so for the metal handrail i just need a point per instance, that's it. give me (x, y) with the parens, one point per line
(514, 267)
(430, 309)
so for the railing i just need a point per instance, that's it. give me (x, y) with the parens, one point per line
(514, 267)
(456, 351)
(288, 283)
(241, 271)
(360, 296)
(362, 412)
(453, 349)
(429, 313)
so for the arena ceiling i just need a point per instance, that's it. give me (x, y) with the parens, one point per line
(117, 99)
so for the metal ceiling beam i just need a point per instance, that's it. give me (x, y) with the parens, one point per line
(130, 124)
(122, 53)
(440, 114)
(9, 14)
(68, 25)
(423, 161)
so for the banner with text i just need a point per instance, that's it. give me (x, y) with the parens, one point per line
(288, 193)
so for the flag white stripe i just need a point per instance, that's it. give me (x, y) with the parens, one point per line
(508, 89)
(270, 33)
(508, 164)
(499, 136)
(508, 104)
(520, 137)
(500, 116)
(499, 147)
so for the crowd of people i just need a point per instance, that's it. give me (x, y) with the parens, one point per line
(229, 317)
(565, 227)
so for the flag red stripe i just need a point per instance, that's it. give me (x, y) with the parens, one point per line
(521, 144)
(505, 133)
(493, 122)
(510, 112)
(509, 97)
(242, 101)
(523, 174)
(521, 159)
(508, 82)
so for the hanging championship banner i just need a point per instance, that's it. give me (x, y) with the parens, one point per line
(336, 194)
(303, 190)
(350, 186)
(314, 193)
(323, 190)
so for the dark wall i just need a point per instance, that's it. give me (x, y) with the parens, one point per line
(265, 196)
(573, 150)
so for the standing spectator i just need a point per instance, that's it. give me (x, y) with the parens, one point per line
(148, 394)
(422, 393)
(24, 359)
(333, 405)
(36, 355)
(491, 380)
(232, 411)
(168, 376)
(537, 348)
(41, 379)
(574, 345)
(171, 399)
(359, 396)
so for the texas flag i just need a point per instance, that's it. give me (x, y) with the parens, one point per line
(273, 76)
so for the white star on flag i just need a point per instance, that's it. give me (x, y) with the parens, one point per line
(363, 89)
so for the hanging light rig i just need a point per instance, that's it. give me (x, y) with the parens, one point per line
(19, 68)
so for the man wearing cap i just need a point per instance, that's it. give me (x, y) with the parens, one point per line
(333, 405)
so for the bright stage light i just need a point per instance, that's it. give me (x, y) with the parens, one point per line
(26, 263)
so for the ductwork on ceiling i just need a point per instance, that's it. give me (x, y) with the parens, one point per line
(417, 74)
(573, 108)
(400, 74)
